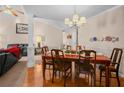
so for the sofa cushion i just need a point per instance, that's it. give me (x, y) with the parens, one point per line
(14, 50)
(1, 50)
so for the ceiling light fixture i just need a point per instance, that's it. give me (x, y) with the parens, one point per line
(76, 21)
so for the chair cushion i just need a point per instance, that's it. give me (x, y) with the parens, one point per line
(49, 62)
(102, 67)
(62, 67)
(111, 67)
(86, 67)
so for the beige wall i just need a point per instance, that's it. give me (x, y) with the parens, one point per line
(8, 32)
(53, 35)
(108, 23)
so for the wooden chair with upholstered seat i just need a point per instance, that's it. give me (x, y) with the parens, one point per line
(84, 65)
(114, 65)
(68, 47)
(79, 48)
(45, 49)
(59, 64)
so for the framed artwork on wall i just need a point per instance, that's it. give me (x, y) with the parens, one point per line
(21, 28)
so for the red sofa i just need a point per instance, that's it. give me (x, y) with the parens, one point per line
(16, 51)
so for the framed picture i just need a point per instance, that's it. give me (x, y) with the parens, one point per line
(21, 28)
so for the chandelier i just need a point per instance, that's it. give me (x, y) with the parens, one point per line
(76, 21)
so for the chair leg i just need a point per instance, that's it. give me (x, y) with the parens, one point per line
(59, 74)
(64, 79)
(77, 78)
(100, 77)
(117, 76)
(91, 79)
(94, 78)
(88, 78)
(70, 72)
(53, 77)
(55, 73)
(64, 82)
(85, 76)
(49, 67)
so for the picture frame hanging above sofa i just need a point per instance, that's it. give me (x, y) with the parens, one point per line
(21, 28)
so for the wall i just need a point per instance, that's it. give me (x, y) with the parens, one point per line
(53, 35)
(8, 31)
(8, 34)
(71, 41)
(108, 23)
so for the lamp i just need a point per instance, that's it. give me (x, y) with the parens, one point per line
(38, 40)
(76, 21)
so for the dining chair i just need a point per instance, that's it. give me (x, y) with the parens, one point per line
(64, 46)
(85, 66)
(59, 64)
(78, 47)
(68, 47)
(45, 49)
(114, 65)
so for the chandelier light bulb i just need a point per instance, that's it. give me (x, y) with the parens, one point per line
(67, 21)
(82, 19)
(75, 18)
(75, 21)
(70, 24)
(79, 23)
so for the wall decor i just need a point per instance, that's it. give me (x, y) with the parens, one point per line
(108, 38)
(94, 38)
(111, 39)
(69, 36)
(102, 39)
(21, 28)
(115, 39)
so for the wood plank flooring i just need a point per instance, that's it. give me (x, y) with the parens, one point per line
(20, 76)
(34, 78)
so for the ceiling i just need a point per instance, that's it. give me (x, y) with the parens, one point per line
(55, 14)
(59, 12)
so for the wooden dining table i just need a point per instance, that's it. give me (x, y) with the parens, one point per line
(100, 59)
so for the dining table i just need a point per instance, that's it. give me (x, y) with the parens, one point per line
(73, 58)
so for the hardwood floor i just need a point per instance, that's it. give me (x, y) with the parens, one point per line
(15, 76)
(20, 76)
(34, 78)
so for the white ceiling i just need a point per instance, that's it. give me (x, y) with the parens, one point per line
(55, 14)
(59, 12)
